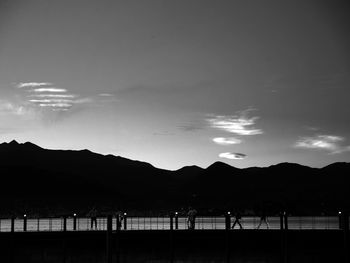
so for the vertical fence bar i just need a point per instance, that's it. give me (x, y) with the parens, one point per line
(285, 238)
(74, 222)
(25, 223)
(227, 235)
(281, 220)
(64, 223)
(109, 239)
(228, 221)
(285, 221)
(345, 227)
(171, 222)
(176, 220)
(125, 221)
(12, 224)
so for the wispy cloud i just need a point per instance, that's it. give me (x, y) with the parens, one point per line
(233, 156)
(191, 127)
(163, 133)
(46, 96)
(19, 109)
(56, 105)
(9, 107)
(105, 95)
(330, 143)
(59, 102)
(226, 141)
(238, 124)
(51, 100)
(32, 84)
(49, 90)
(53, 96)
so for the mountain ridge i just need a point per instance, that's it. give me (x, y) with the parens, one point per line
(37, 177)
(216, 164)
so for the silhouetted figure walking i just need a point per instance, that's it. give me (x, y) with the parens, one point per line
(237, 221)
(263, 219)
(93, 217)
(119, 216)
(191, 220)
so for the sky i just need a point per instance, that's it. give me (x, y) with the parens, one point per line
(176, 83)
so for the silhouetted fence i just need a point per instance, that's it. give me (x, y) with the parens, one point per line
(166, 223)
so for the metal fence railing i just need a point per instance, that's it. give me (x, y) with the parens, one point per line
(166, 223)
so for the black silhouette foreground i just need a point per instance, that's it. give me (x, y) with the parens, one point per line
(77, 180)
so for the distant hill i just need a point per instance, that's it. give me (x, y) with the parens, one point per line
(55, 181)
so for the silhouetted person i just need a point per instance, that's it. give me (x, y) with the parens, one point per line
(263, 219)
(93, 215)
(119, 216)
(191, 220)
(237, 221)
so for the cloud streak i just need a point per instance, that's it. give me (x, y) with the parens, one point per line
(233, 156)
(32, 84)
(45, 95)
(330, 143)
(240, 125)
(53, 96)
(226, 141)
(49, 90)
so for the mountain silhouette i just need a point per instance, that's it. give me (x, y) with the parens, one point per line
(34, 178)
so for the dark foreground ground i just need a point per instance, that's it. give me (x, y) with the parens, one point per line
(180, 246)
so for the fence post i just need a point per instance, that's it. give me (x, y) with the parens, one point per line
(125, 221)
(285, 237)
(171, 221)
(64, 223)
(24, 222)
(171, 238)
(227, 235)
(117, 234)
(74, 221)
(176, 220)
(12, 224)
(228, 221)
(345, 224)
(281, 220)
(285, 221)
(109, 239)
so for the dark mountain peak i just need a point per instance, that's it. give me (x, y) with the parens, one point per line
(287, 165)
(190, 169)
(33, 146)
(220, 166)
(337, 166)
(13, 143)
